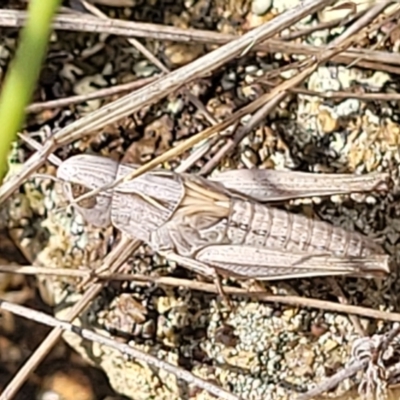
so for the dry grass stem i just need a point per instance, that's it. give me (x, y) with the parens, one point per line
(339, 95)
(375, 60)
(97, 94)
(144, 280)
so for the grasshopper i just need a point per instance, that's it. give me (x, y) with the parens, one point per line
(221, 226)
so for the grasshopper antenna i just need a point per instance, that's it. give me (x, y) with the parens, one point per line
(45, 176)
(37, 146)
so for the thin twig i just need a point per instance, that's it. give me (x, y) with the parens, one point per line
(353, 31)
(339, 94)
(321, 26)
(97, 94)
(334, 380)
(37, 146)
(66, 272)
(376, 60)
(143, 280)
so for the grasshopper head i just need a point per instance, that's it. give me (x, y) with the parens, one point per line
(83, 173)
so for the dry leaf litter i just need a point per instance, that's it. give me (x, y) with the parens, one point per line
(256, 350)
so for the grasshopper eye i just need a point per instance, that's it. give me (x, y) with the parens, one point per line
(79, 190)
(94, 209)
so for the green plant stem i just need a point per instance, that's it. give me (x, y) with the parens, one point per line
(23, 73)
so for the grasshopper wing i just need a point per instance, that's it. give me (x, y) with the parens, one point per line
(270, 264)
(273, 185)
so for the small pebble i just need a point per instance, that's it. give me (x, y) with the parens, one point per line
(327, 122)
(69, 384)
(260, 7)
